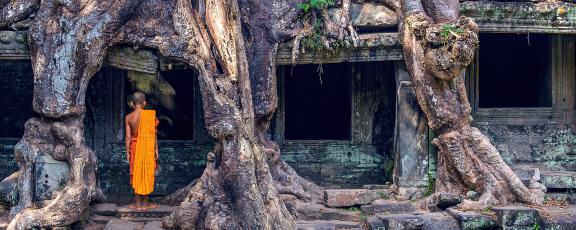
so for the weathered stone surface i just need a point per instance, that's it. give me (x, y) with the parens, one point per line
(472, 220)
(375, 186)
(516, 216)
(101, 219)
(50, 175)
(558, 218)
(154, 225)
(347, 197)
(374, 223)
(123, 225)
(439, 221)
(389, 206)
(568, 198)
(104, 209)
(401, 221)
(446, 200)
(157, 213)
(411, 147)
(373, 15)
(527, 174)
(558, 179)
(381, 194)
(8, 191)
(327, 225)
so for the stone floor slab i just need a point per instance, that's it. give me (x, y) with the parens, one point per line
(123, 225)
(103, 209)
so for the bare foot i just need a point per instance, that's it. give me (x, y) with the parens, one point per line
(149, 206)
(135, 207)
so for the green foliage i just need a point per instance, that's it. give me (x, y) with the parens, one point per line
(354, 209)
(536, 226)
(430, 185)
(450, 29)
(363, 217)
(486, 210)
(383, 195)
(308, 6)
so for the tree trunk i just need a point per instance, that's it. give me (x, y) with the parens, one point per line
(438, 46)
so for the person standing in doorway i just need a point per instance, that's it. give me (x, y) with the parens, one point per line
(142, 150)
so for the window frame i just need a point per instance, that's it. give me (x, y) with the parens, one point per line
(280, 116)
(562, 73)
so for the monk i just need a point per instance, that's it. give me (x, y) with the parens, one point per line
(142, 150)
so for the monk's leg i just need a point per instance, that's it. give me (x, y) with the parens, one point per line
(137, 205)
(147, 204)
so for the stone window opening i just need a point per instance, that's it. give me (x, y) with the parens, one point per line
(514, 71)
(317, 102)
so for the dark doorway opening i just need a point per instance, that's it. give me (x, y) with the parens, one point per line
(17, 86)
(171, 94)
(317, 105)
(515, 70)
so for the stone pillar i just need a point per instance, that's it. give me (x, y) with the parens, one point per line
(410, 141)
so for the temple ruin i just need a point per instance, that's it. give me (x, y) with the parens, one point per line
(346, 118)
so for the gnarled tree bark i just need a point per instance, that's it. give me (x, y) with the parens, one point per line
(438, 46)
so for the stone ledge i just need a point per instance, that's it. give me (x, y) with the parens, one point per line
(516, 216)
(347, 197)
(472, 220)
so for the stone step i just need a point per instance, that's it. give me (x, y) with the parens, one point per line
(401, 221)
(336, 198)
(516, 216)
(327, 225)
(558, 218)
(157, 213)
(558, 179)
(388, 206)
(472, 220)
(567, 198)
(123, 225)
(439, 221)
(103, 209)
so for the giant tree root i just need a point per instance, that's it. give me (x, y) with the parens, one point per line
(438, 46)
(64, 141)
(467, 160)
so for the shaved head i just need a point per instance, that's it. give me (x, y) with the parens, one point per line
(137, 98)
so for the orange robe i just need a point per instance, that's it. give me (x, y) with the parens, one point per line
(143, 154)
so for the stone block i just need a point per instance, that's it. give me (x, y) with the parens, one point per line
(101, 219)
(392, 206)
(516, 216)
(373, 15)
(558, 179)
(439, 221)
(50, 175)
(446, 200)
(558, 217)
(401, 221)
(123, 225)
(374, 223)
(9, 190)
(472, 220)
(347, 197)
(381, 194)
(104, 209)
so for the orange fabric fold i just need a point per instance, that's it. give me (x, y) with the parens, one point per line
(144, 164)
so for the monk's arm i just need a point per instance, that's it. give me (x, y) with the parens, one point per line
(156, 137)
(128, 138)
